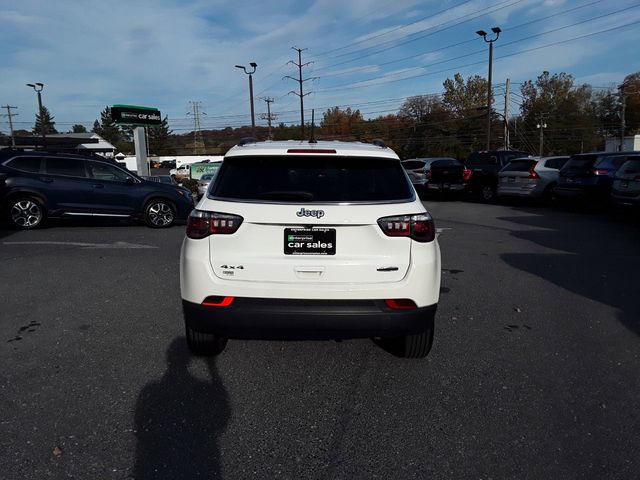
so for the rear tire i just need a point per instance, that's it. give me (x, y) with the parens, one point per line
(410, 346)
(205, 344)
(26, 212)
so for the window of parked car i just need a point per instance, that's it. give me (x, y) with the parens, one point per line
(523, 165)
(102, 171)
(312, 179)
(70, 167)
(445, 162)
(556, 163)
(631, 166)
(26, 164)
(482, 158)
(611, 161)
(413, 164)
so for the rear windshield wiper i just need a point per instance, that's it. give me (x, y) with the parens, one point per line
(287, 195)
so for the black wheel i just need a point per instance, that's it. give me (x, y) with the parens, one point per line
(409, 346)
(26, 212)
(159, 213)
(488, 193)
(205, 344)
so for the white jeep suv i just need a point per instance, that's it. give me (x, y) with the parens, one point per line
(299, 240)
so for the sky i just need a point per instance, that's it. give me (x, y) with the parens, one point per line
(369, 55)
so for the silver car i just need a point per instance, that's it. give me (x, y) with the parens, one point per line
(203, 184)
(531, 177)
(626, 183)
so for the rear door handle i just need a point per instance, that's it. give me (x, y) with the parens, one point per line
(98, 185)
(46, 179)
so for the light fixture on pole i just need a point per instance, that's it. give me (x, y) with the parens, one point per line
(38, 88)
(483, 34)
(541, 126)
(253, 118)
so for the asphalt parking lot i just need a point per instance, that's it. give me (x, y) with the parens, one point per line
(533, 374)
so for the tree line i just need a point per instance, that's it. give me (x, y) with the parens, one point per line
(575, 118)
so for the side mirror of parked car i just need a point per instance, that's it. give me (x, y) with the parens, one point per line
(129, 181)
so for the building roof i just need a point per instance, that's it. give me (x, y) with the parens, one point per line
(101, 146)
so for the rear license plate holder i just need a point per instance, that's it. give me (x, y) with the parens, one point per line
(310, 241)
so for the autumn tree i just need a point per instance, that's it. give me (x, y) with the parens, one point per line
(343, 124)
(566, 109)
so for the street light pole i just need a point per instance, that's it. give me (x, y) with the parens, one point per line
(483, 34)
(253, 118)
(38, 88)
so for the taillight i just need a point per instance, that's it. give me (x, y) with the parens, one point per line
(600, 171)
(201, 224)
(217, 301)
(428, 174)
(417, 227)
(400, 303)
(532, 172)
(466, 174)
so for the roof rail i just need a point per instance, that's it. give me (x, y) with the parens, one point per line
(379, 143)
(246, 141)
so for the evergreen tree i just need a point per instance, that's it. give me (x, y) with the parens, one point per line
(44, 123)
(159, 139)
(105, 128)
(77, 128)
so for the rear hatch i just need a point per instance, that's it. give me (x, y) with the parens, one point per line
(627, 179)
(578, 170)
(311, 219)
(416, 170)
(518, 173)
(446, 171)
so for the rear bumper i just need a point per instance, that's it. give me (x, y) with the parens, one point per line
(622, 199)
(447, 186)
(259, 318)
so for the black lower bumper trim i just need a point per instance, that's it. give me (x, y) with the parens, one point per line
(257, 318)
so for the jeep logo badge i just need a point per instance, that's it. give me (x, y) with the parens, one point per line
(310, 213)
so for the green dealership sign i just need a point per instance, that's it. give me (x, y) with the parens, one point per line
(135, 116)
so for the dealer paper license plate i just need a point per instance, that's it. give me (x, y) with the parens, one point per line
(310, 241)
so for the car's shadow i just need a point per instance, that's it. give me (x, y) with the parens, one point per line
(178, 420)
(595, 257)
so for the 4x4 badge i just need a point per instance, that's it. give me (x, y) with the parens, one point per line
(310, 213)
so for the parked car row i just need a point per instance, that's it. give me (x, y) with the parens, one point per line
(592, 179)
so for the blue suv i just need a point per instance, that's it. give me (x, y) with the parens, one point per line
(36, 185)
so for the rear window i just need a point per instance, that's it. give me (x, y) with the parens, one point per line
(582, 161)
(26, 164)
(445, 162)
(413, 164)
(478, 159)
(312, 179)
(519, 166)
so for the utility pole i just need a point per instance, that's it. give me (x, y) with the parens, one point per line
(623, 125)
(541, 126)
(268, 117)
(483, 34)
(507, 145)
(10, 115)
(300, 81)
(198, 141)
